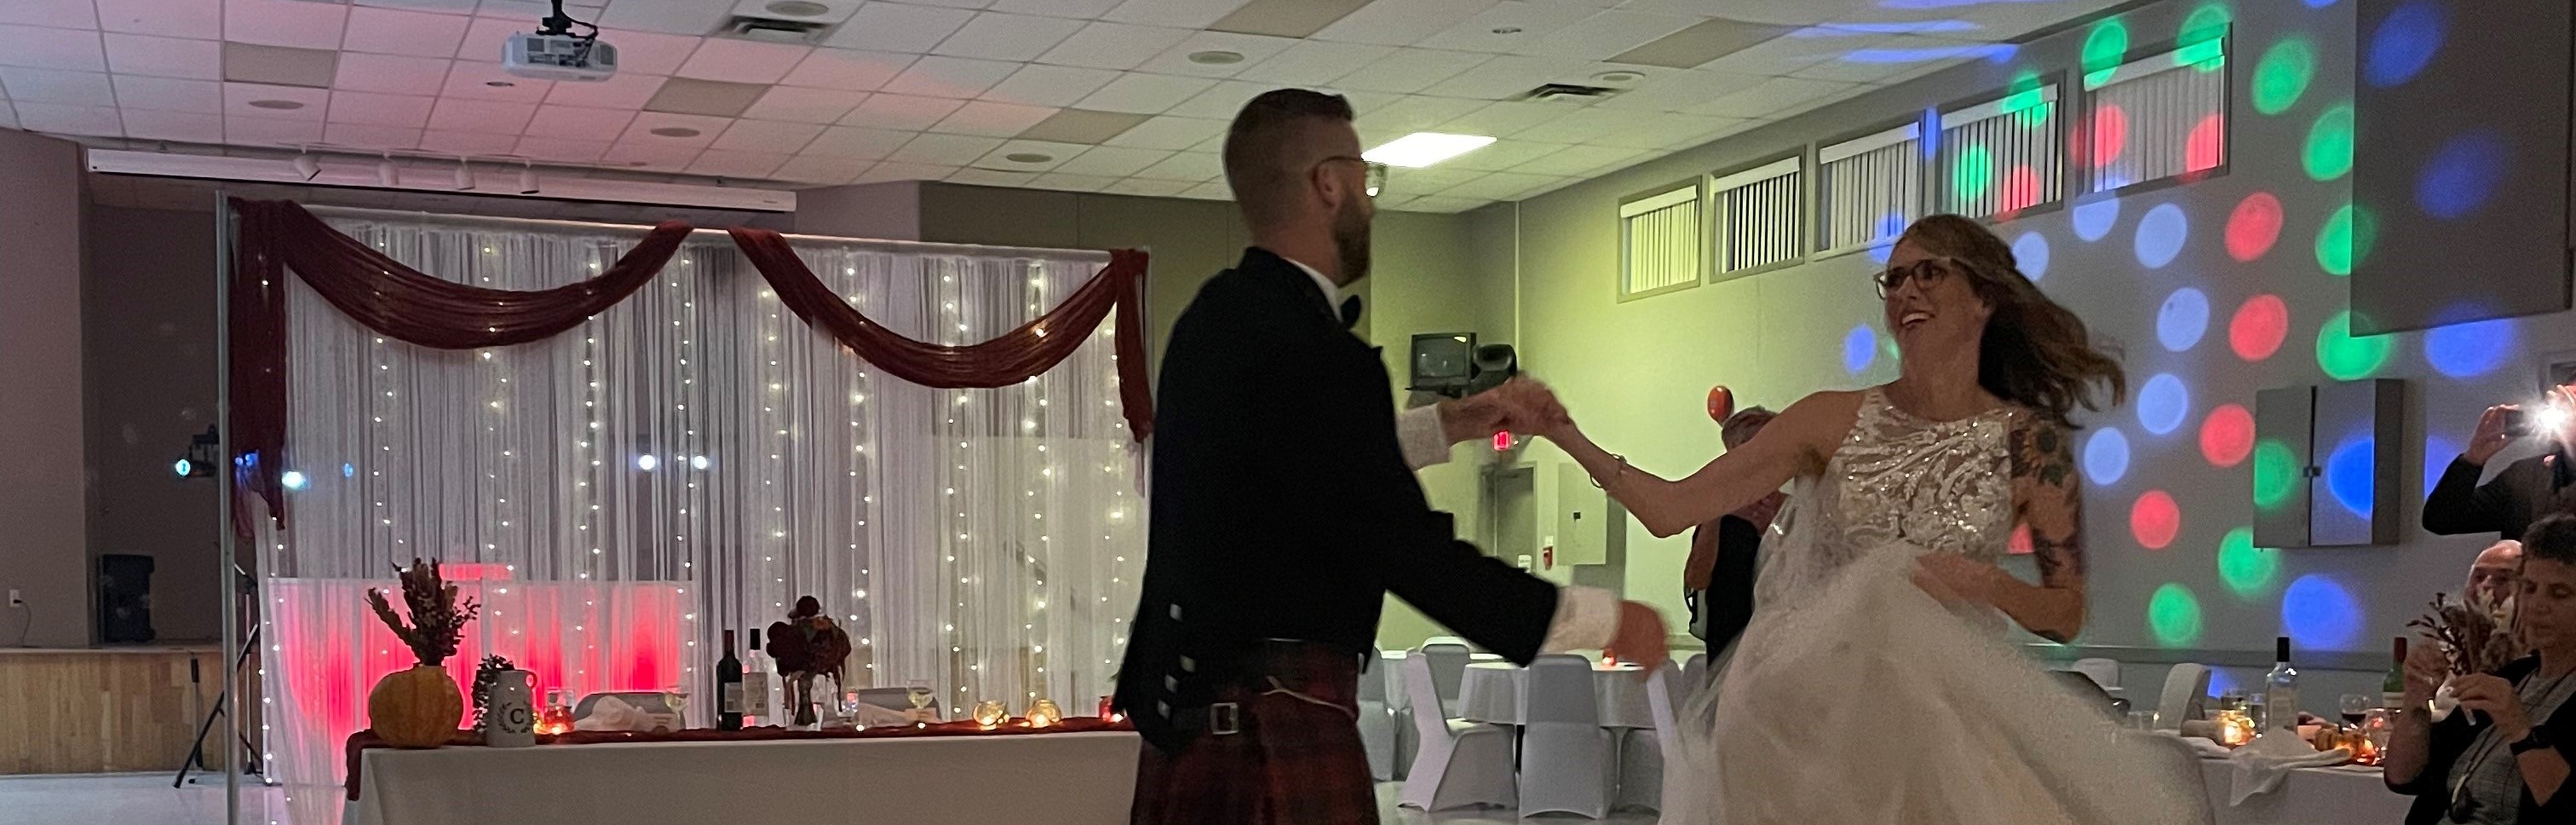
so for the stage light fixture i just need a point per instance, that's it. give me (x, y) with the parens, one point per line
(204, 451)
(294, 480)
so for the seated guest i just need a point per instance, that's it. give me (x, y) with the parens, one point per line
(2500, 758)
(2523, 491)
(1717, 580)
(2493, 574)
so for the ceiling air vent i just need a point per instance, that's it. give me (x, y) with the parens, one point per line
(774, 30)
(1567, 93)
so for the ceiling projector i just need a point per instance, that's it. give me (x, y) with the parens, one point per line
(553, 52)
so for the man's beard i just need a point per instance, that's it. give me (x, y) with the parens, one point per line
(1351, 241)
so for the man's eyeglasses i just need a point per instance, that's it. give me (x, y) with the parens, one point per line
(1928, 271)
(1376, 172)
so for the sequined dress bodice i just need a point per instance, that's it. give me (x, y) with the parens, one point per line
(1897, 484)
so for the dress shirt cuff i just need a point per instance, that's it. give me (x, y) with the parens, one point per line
(1586, 617)
(1425, 443)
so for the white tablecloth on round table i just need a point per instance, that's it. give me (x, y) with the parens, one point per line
(1391, 667)
(1069, 778)
(1492, 693)
(2344, 795)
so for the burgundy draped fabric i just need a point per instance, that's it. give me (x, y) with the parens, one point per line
(1010, 358)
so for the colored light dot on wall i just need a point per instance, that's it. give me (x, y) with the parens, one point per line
(2025, 101)
(2345, 239)
(2021, 189)
(2154, 520)
(2163, 402)
(2161, 234)
(2329, 151)
(2173, 615)
(2253, 226)
(2094, 219)
(2282, 74)
(2276, 473)
(2439, 452)
(2182, 320)
(2206, 147)
(2203, 39)
(2245, 569)
(2469, 350)
(2405, 43)
(2106, 456)
(2349, 476)
(2110, 130)
(2104, 48)
(2030, 255)
(1973, 171)
(2227, 435)
(2463, 174)
(2319, 614)
(1860, 347)
(2347, 358)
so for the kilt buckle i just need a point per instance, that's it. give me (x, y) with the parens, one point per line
(1225, 719)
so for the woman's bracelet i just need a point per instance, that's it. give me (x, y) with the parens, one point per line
(1623, 470)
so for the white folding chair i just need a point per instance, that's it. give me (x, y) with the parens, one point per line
(1377, 721)
(1566, 764)
(2186, 687)
(1643, 752)
(1456, 763)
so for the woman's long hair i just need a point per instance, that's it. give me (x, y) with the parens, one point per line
(2036, 353)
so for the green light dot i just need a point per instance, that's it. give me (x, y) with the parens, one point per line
(2344, 357)
(2247, 570)
(2103, 50)
(2173, 614)
(2329, 152)
(2024, 100)
(2275, 473)
(2282, 75)
(1974, 171)
(2204, 33)
(2345, 239)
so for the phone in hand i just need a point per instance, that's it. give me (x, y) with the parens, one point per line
(2519, 423)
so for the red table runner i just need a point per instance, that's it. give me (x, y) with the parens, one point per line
(364, 740)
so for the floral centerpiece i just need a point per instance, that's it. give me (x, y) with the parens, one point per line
(2475, 634)
(806, 645)
(420, 707)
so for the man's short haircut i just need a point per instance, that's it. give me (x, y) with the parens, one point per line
(1260, 147)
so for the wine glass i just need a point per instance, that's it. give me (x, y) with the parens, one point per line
(2357, 707)
(918, 692)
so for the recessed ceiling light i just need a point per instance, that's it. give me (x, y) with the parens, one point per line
(677, 131)
(797, 8)
(1028, 157)
(501, 84)
(1618, 77)
(280, 105)
(1507, 30)
(1422, 149)
(1216, 57)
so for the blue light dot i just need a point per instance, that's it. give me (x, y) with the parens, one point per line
(2161, 234)
(1860, 347)
(2221, 684)
(2469, 350)
(2106, 456)
(2031, 251)
(2463, 174)
(2350, 476)
(2404, 43)
(348, 471)
(2183, 319)
(2094, 220)
(2163, 402)
(2319, 614)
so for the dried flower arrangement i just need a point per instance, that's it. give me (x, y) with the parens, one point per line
(437, 617)
(806, 645)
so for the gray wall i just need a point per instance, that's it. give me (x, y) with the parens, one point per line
(151, 364)
(43, 480)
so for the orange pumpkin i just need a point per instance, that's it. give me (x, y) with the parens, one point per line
(416, 708)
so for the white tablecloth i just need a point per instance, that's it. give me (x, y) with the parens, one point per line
(1391, 668)
(1492, 693)
(2308, 796)
(1069, 778)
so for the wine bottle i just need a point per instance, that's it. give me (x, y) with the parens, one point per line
(728, 688)
(2392, 691)
(755, 685)
(2281, 689)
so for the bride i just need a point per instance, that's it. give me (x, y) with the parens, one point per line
(1873, 684)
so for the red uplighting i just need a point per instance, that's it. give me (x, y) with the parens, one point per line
(2154, 520)
(1502, 441)
(2021, 189)
(2204, 149)
(2260, 324)
(2227, 435)
(2110, 135)
(2020, 545)
(2254, 226)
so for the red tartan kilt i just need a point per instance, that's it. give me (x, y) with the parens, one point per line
(1296, 763)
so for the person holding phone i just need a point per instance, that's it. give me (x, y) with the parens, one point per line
(2526, 490)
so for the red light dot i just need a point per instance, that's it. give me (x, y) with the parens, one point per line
(2021, 189)
(2254, 226)
(2260, 324)
(2203, 149)
(1502, 441)
(2110, 135)
(2154, 520)
(2227, 435)
(2020, 545)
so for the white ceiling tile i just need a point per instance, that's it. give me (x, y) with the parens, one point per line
(60, 14)
(649, 52)
(1579, 160)
(1768, 97)
(1148, 187)
(1419, 182)
(1015, 37)
(624, 91)
(848, 69)
(493, 116)
(361, 136)
(1498, 186)
(1607, 34)
(955, 4)
(1503, 119)
(1501, 155)
(1579, 126)
(734, 164)
(457, 7)
(204, 97)
(1509, 76)
(180, 126)
(284, 23)
(640, 132)
(767, 136)
(68, 119)
(957, 77)
(677, 16)
(1077, 9)
(991, 177)
(165, 56)
(394, 31)
(1194, 14)
(1444, 205)
(1410, 70)
(1144, 94)
(473, 80)
(1192, 166)
(467, 143)
(1254, 49)
(743, 61)
(560, 150)
(1054, 153)
(43, 48)
(1401, 22)
(1416, 114)
(1878, 67)
(817, 169)
(856, 143)
(1679, 90)
(1222, 101)
(1168, 132)
(1071, 183)
(658, 155)
(990, 119)
(1777, 56)
(1113, 46)
(391, 73)
(173, 18)
(896, 27)
(1043, 85)
(485, 37)
(530, 10)
(947, 150)
(578, 123)
(1313, 62)
(256, 131)
(1659, 130)
(1215, 190)
(244, 99)
(1509, 26)
(903, 112)
(891, 171)
(53, 86)
(804, 105)
(1113, 161)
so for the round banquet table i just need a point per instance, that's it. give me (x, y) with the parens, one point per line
(1492, 693)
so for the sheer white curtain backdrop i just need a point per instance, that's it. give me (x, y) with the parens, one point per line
(691, 461)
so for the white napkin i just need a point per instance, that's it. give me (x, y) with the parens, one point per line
(874, 716)
(2260, 765)
(609, 713)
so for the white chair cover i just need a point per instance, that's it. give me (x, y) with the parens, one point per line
(1566, 764)
(1694, 673)
(1455, 763)
(2104, 672)
(1448, 672)
(1377, 721)
(2186, 687)
(1643, 753)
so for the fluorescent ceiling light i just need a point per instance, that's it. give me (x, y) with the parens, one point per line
(1422, 149)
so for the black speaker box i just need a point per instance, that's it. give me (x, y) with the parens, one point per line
(124, 598)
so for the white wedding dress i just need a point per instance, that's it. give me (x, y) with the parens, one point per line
(1854, 697)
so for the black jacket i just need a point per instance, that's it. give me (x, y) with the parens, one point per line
(1726, 606)
(2451, 739)
(1281, 507)
(2523, 492)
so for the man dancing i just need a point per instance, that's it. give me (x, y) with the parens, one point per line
(1283, 512)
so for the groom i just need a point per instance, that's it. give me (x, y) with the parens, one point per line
(1283, 512)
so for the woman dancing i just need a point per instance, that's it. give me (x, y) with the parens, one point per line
(1873, 685)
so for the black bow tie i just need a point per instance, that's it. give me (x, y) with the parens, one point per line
(1350, 312)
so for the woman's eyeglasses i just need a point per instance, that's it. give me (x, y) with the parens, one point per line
(1929, 271)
